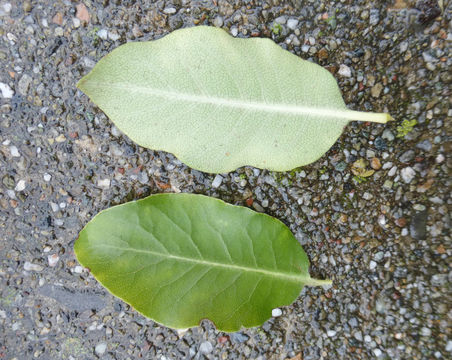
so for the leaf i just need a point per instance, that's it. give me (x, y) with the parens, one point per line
(219, 103)
(181, 258)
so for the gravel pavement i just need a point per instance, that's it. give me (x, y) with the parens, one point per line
(383, 238)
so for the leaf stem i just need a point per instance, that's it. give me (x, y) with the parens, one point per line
(318, 282)
(381, 118)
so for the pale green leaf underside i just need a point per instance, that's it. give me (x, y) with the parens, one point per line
(219, 103)
(181, 258)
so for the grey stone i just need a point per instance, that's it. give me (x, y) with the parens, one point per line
(205, 348)
(418, 225)
(388, 135)
(6, 91)
(218, 21)
(100, 348)
(281, 20)
(407, 174)
(217, 181)
(439, 279)
(374, 18)
(407, 156)
(73, 299)
(345, 71)
(170, 10)
(292, 24)
(425, 145)
(24, 84)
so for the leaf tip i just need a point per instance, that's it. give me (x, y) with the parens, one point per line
(80, 83)
(318, 282)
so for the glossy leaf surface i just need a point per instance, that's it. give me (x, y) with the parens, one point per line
(181, 258)
(219, 103)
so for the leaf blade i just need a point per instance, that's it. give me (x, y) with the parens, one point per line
(217, 102)
(207, 259)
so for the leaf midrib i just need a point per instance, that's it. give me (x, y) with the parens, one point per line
(281, 275)
(230, 103)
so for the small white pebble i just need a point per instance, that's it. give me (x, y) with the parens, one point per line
(377, 352)
(113, 36)
(367, 338)
(103, 34)
(28, 266)
(76, 22)
(7, 7)
(331, 333)
(393, 171)
(440, 158)
(372, 265)
(14, 151)
(78, 269)
(276, 312)
(449, 346)
(54, 207)
(103, 183)
(53, 260)
(205, 347)
(100, 348)
(6, 91)
(292, 24)
(20, 186)
(217, 181)
(47, 177)
(170, 10)
(345, 71)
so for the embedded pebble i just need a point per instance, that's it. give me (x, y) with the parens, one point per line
(28, 266)
(276, 312)
(425, 145)
(292, 24)
(218, 21)
(14, 151)
(24, 84)
(20, 186)
(7, 92)
(407, 174)
(170, 10)
(217, 181)
(331, 333)
(113, 35)
(53, 260)
(103, 183)
(205, 348)
(407, 156)
(103, 34)
(345, 71)
(388, 135)
(100, 348)
(78, 269)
